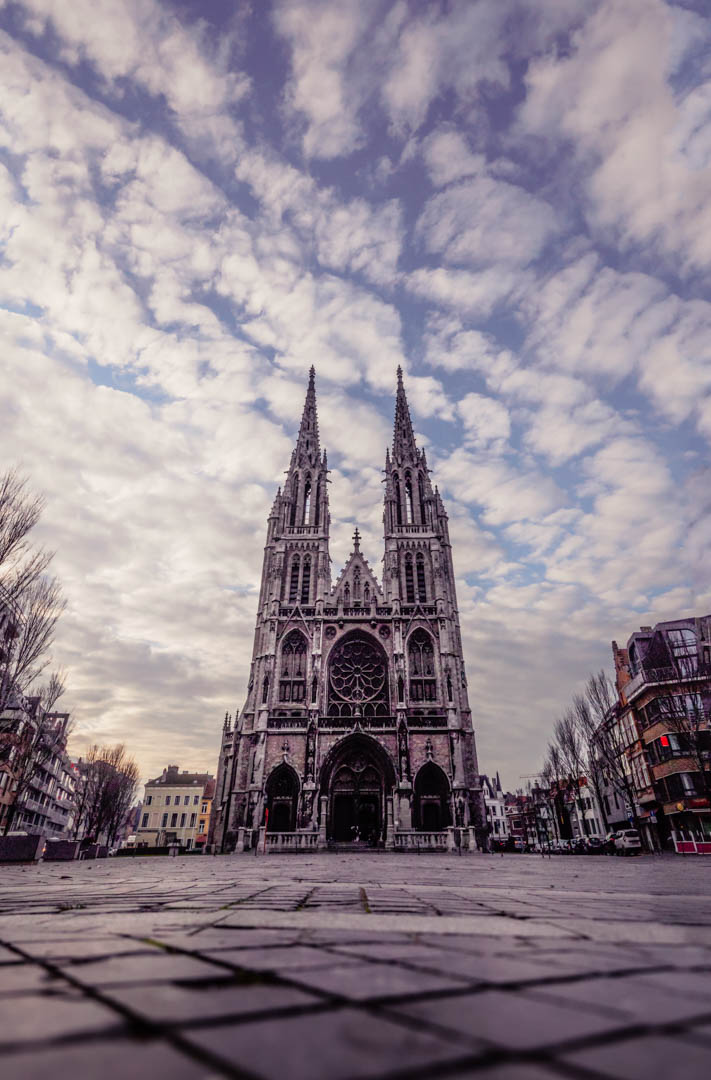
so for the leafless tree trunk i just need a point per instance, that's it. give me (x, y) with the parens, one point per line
(109, 790)
(568, 739)
(611, 747)
(592, 762)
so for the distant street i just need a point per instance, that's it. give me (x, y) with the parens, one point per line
(357, 966)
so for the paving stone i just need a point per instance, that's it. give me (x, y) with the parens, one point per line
(635, 998)
(274, 959)
(62, 1012)
(341, 1043)
(509, 1019)
(158, 967)
(361, 981)
(647, 1058)
(105, 1060)
(190, 1002)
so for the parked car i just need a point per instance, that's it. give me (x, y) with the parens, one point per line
(627, 842)
(519, 845)
(610, 839)
(595, 846)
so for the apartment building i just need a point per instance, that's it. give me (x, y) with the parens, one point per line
(175, 809)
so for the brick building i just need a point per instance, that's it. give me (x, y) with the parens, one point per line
(357, 724)
(664, 705)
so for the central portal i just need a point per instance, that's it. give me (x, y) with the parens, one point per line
(357, 783)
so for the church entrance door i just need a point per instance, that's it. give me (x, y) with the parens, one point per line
(356, 794)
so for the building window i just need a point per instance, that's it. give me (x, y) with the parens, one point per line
(173, 821)
(423, 684)
(265, 689)
(149, 800)
(167, 800)
(196, 800)
(204, 808)
(294, 579)
(306, 581)
(307, 501)
(144, 823)
(183, 819)
(292, 677)
(164, 821)
(398, 500)
(409, 580)
(421, 586)
(684, 651)
(192, 820)
(186, 801)
(408, 500)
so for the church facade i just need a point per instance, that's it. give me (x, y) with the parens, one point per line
(357, 726)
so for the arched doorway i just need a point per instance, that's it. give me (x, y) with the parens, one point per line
(432, 810)
(282, 790)
(357, 778)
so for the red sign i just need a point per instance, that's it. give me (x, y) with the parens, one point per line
(698, 804)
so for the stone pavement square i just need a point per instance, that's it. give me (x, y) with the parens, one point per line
(336, 967)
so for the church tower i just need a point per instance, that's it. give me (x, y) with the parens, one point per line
(357, 727)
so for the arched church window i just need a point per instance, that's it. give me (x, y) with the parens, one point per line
(421, 585)
(421, 492)
(306, 581)
(398, 499)
(314, 690)
(358, 678)
(294, 580)
(292, 515)
(409, 580)
(292, 676)
(307, 500)
(265, 689)
(366, 593)
(423, 683)
(356, 584)
(408, 500)
(346, 594)
(318, 502)
(449, 686)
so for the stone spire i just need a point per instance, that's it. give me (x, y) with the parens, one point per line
(307, 444)
(404, 448)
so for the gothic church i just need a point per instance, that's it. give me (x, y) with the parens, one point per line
(357, 727)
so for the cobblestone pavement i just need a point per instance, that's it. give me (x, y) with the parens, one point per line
(329, 967)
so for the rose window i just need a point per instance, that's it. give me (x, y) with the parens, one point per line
(358, 678)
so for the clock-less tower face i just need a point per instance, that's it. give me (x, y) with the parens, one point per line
(356, 725)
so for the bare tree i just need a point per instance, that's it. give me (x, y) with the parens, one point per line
(592, 761)
(569, 742)
(111, 780)
(611, 741)
(30, 601)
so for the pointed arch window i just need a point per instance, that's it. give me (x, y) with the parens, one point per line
(408, 500)
(306, 581)
(292, 515)
(292, 675)
(398, 499)
(294, 580)
(423, 683)
(421, 583)
(356, 584)
(409, 580)
(307, 501)
(346, 594)
(318, 502)
(421, 492)
(366, 593)
(265, 689)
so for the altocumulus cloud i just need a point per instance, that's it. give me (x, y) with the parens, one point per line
(509, 197)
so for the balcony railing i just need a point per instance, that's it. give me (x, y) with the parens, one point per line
(649, 676)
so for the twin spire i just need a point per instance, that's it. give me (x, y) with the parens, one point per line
(404, 447)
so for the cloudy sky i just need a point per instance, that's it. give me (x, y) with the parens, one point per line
(511, 198)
